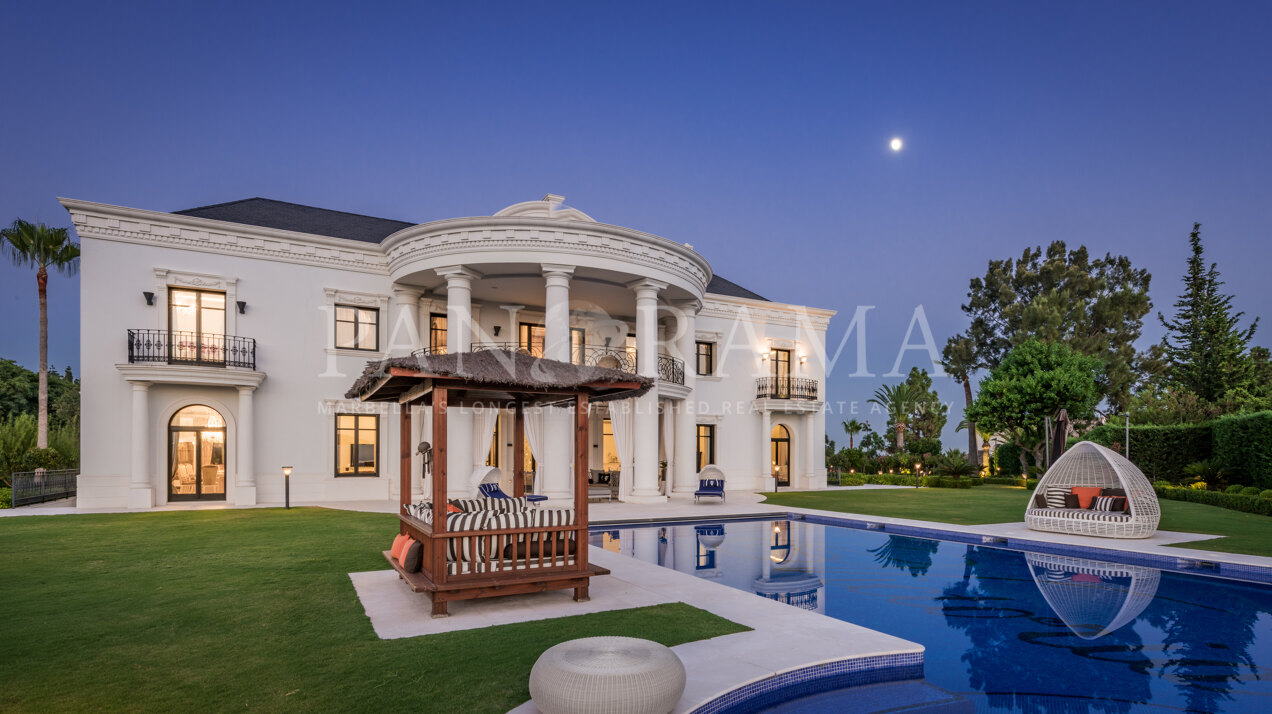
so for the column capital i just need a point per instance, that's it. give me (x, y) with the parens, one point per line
(140, 385)
(692, 306)
(555, 269)
(457, 274)
(407, 294)
(647, 287)
(246, 390)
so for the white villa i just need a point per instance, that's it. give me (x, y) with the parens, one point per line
(218, 344)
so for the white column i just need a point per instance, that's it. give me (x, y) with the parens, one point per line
(556, 312)
(245, 485)
(645, 544)
(141, 493)
(459, 307)
(685, 462)
(404, 321)
(809, 467)
(766, 481)
(645, 460)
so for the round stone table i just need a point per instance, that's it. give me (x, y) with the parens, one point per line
(607, 675)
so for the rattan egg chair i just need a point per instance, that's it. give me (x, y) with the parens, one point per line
(1089, 464)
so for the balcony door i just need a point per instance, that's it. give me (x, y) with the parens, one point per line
(196, 326)
(196, 455)
(781, 361)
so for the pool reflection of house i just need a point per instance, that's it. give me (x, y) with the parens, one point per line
(790, 567)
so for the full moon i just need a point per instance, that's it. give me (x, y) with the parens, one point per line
(895, 144)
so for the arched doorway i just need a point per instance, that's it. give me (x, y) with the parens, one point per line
(196, 455)
(780, 439)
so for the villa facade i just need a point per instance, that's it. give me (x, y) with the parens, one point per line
(217, 344)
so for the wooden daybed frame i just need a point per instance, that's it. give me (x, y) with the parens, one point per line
(501, 561)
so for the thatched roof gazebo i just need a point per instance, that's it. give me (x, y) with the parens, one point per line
(512, 551)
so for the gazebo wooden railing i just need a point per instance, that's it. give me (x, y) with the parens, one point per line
(512, 552)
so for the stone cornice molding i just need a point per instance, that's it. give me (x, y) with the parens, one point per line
(190, 375)
(350, 297)
(134, 225)
(766, 313)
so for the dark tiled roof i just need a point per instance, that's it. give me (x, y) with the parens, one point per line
(281, 215)
(285, 216)
(720, 286)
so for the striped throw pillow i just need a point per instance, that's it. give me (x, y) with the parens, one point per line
(1106, 503)
(1055, 497)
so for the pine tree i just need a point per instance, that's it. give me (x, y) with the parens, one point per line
(1205, 349)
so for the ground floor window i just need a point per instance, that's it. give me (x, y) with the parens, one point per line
(357, 444)
(780, 441)
(493, 458)
(706, 445)
(609, 451)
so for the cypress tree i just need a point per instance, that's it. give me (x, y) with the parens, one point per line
(1205, 349)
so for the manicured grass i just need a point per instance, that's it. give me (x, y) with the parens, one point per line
(1243, 532)
(250, 609)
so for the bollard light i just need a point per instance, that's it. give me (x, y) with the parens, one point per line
(287, 487)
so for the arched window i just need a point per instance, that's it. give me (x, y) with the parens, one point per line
(196, 455)
(781, 448)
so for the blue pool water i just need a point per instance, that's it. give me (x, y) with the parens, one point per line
(1004, 630)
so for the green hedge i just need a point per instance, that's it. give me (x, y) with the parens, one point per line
(6, 498)
(1230, 501)
(1243, 448)
(941, 482)
(1004, 481)
(1161, 452)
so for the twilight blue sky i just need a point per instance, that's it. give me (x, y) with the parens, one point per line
(755, 131)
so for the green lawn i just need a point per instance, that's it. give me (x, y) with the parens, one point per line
(1243, 532)
(250, 609)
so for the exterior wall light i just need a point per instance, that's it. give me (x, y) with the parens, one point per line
(497, 327)
(242, 306)
(287, 486)
(150, 297)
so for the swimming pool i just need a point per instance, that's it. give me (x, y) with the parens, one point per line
(1003, 629)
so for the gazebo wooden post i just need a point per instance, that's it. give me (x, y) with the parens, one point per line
(580, 490)
(404, 475)
(518, 452)
(439, 495)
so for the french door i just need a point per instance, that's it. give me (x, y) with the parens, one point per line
(196, 455)
(196, 326)
(781, 360)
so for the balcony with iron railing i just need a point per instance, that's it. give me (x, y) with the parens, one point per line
(190, 348)
(785, 388)
(670, 369)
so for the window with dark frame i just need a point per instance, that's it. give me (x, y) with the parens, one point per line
(357, 444)
(706, 358)
(437, 333)
(578, 345)
(532, 338)
(706, 445)
(357, 328)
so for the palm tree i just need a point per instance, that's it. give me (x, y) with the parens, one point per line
(959, 361)
(898, 403)
(42, 247)
(854, 427)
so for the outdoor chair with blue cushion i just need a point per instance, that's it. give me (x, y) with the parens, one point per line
(710, 487)
(492, 490)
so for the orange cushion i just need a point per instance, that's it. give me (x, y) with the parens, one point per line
(1086, 495)
(406, 545)
(452, 508)
(398, 542)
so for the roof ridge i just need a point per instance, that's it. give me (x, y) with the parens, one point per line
(298, 205)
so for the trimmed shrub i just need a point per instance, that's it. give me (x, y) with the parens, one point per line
(1250, 491)
(1161, 452)
(1008, 457)
(1004, 481)
(1031, 483)
(1243, 448)
(1234, 488)
(1230, 501)
(1266, 493)
(6, 498)
(938, 482)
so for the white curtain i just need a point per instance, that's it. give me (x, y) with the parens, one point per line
(623, 424)
(484, 420)
(534, 435)
(668, 446)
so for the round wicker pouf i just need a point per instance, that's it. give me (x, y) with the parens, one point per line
(607, 675)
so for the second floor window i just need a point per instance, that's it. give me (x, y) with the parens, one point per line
(532, 338)
(437, 333)
(357, 328)
(706, 358)
(578, 345)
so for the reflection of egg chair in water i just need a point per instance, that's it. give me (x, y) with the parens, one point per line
(1092, 597)
(710, 537)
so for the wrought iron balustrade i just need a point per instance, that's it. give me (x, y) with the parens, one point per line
(785, 388)
(620, 358)
(623, 359)
(198, 348)
(671, 369)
